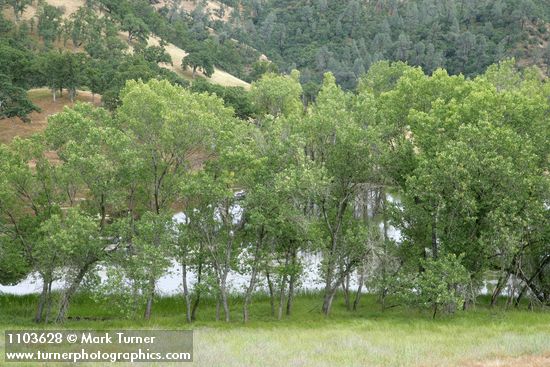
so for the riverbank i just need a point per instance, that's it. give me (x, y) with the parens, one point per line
(367, 337)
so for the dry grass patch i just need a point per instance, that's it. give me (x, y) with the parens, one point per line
(12, 127)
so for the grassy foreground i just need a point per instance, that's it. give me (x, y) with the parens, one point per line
(367, 337)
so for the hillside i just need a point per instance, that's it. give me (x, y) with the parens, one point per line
(177, 54)
(347, 37)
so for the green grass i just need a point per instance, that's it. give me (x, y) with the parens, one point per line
(368, 337)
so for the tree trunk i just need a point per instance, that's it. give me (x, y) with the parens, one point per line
(72, 94)
(218, 308)
(186, 296)
(252, 284)
(327, 301)
(529, 283)
(150, 296)
(291, 284)
(359, 288)
(282, 289)
(248, 295)
(42, 301)
(498, 289)
(197, 287)
(434, 238)
(271, 292)
(329, 289)
(64, 307)
(281, 298)
(345, 288)
(49, 302)
(224, 300)
(384, 289)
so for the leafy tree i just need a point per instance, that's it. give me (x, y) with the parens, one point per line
(201, 59)
(14, 101)
(235, 97)
(28, 197)
(277, 95)
(60, 70)
(81, 26)
(49, 23)
(441, 286)
(67, 242)
(19, 7)
(166, 136)
(154, 54)
(259, 68)
(337, 142)
(136, 28)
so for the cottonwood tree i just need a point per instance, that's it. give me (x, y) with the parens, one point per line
(214, 211)
(458, 163)
(68, 242)
(15, 263)
(336, 141)
(277, 95)
(277, 223)
(172, 136)
(147, 248)
(215, 219)
(98, 159)
(30, 195)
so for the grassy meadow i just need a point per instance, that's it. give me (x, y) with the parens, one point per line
(367, 337)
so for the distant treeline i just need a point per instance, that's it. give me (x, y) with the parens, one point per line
(346, 37)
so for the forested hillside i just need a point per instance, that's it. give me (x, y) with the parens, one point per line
(346, 37)
(99, 45)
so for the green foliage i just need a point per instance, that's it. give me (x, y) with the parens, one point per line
(49, 23)
(14, 266)
(440, 286)
(458, 165)
(235, 97)
(277, 95)
(259, 68)
(347, 37)
(200, 58)
(14, 101)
